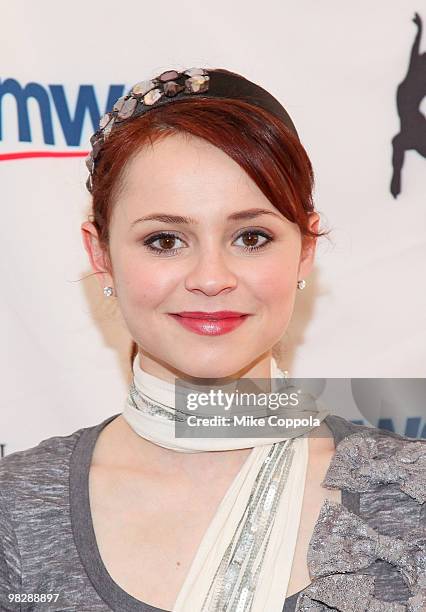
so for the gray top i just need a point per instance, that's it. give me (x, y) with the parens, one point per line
(370, 549)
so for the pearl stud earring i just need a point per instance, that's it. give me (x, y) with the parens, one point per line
(301, 284)
(108, 291)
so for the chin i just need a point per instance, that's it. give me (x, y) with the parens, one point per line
(216, 366)
(206, 372)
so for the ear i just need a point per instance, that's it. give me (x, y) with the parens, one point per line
(307, 255)
(98, 257)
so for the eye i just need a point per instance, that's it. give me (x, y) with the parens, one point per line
(166, 240)
(251, 236)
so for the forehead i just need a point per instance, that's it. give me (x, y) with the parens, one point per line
(183, 171)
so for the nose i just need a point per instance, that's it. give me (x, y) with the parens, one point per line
(211, 274)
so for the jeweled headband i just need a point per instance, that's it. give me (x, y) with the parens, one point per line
(172, 85)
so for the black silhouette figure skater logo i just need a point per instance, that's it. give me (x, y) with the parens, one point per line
(410, 93)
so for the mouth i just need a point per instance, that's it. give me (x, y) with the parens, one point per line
(217, 315)
(210, 323)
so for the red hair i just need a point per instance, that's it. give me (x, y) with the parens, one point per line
(257, 140)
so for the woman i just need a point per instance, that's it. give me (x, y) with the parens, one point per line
(202, 203)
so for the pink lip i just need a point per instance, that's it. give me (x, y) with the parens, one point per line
(206, 325)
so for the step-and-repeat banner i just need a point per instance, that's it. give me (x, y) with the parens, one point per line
(353, 78)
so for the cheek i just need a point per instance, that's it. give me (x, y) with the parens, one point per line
(143, 284)
(274, 283)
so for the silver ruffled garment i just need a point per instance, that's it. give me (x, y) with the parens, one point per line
(353, 559)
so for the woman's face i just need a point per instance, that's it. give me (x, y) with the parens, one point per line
(200, 262)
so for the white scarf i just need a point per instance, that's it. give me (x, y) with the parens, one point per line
(262, 586)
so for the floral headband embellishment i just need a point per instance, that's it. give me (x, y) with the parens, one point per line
(142, 97)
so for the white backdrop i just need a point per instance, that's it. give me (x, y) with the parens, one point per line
(335, 66)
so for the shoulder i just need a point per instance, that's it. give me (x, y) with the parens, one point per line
(368, 457)
(37, 471)
(342, 428)
(45, 451)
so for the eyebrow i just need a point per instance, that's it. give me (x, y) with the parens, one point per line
(237, 216)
